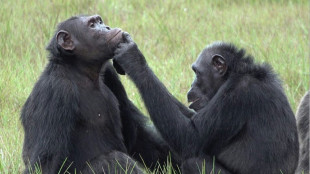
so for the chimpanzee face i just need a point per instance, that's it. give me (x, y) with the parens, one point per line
(88, 38)
(209, 69)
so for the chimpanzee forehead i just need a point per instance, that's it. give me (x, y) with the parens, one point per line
(69, 23)
(203, 59)
(74, 20)
(206, 55)
(84, 18)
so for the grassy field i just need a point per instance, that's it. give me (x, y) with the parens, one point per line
(170, 33)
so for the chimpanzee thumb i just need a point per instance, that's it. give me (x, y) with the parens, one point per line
(118, 68)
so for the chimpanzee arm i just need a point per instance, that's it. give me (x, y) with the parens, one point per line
(52, 109)
(142, 140)
(185, 135)
(111, 79)
(226, 114)
(173, 125)
(182, 108)
(185, 111)
(130, 115)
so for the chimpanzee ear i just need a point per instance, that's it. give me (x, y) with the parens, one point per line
(219, 63)
(64, 39)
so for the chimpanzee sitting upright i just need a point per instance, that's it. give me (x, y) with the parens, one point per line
(78, 116)
(303, 131)
(243, 119)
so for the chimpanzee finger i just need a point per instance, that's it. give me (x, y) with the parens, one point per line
(126, 37)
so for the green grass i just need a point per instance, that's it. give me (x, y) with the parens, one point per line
(170, 34)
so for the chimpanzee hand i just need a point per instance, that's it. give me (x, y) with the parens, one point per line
(127, 57)
(118, 68)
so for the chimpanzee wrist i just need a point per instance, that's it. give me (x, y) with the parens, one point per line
(136, 72)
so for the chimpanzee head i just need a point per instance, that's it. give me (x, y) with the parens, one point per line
(212, 68)
(85, 38)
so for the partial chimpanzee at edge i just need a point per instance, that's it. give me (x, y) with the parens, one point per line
(243, 122)
(78, 116)
(303, 131)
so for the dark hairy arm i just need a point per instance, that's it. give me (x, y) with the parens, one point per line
(142, 140)
(165, 110)
(185, 132)
(130, 115)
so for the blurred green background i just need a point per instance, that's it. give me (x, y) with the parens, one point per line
(169, 33)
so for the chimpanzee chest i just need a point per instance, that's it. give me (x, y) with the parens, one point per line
(98, 126)
(99, 108)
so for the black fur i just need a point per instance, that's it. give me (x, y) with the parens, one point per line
(247, 126)
(78, 115)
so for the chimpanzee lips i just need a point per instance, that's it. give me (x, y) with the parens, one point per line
(116, 32)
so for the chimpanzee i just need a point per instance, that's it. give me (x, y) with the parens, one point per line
(303, 131)
(78, 117)
(242, 123)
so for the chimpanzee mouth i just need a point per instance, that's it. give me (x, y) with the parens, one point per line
(192, 103)
(115, 35)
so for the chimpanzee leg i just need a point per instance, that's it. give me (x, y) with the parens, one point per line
(113, 163)
(200, 165)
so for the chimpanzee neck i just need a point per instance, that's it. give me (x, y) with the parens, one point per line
(90, 69)
(86, 68)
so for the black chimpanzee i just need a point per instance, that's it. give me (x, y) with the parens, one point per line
(78, 116)
(243, 122)
(303, 131)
